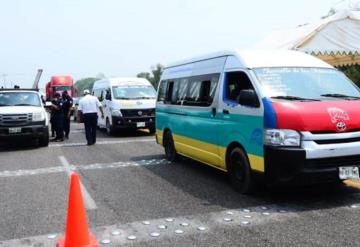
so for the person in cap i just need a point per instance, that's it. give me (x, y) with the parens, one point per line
(88, 107)
(57, 113)
(68, 103)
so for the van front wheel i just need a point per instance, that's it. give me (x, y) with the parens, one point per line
(109, 128)
(240, 173)
(170, 151)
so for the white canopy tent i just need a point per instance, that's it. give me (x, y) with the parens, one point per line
(335, 39)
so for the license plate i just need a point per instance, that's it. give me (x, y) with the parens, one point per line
(14, 130)
(140, 124)
(349, 172)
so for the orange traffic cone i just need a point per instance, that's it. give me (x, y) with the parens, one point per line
(77, 233)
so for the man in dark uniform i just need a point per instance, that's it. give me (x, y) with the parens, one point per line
(58, 117)
(67, 105)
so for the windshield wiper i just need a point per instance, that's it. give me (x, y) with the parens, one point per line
(338, 95)
(24, 105)
(290, 97)
(4, 105)
(144, 97)
(123, 98)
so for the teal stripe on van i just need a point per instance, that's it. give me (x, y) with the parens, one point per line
(220, 130)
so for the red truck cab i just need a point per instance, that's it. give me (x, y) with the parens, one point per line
(59, 84)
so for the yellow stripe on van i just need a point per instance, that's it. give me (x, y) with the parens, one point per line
(159, 137)
(202, 151)
(210, 154)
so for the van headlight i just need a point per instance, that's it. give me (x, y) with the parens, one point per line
(116, 113)
(38, 116)
(282, 137)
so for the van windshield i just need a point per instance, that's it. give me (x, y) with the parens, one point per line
(134, 92)
(19, 99)
(306, 83)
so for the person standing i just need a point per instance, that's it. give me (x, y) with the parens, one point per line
(68, 103)
(58, 118)
(89, 106)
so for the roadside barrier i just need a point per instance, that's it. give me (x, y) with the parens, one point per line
(77, 232)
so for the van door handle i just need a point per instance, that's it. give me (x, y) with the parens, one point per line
(226, 111)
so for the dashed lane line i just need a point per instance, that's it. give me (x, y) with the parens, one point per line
(94, 166)
(88, 200)
(101, 143)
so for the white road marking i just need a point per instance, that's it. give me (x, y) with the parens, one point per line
(102, 142)
(77, 131)
(94, 166)
(89, 202)
(196, 225)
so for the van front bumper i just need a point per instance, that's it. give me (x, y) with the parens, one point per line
(290, 165)
(133, 122)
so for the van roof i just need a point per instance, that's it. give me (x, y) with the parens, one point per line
(263, 58)
(123, 80)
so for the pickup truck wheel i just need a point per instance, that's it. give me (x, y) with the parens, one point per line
(44, 140)
(170, 151)
(239, 170)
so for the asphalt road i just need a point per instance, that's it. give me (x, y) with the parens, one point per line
(133, 191)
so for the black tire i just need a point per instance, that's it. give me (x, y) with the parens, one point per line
(170, 151)
(240, 173)
(44, 140)
(109, 129)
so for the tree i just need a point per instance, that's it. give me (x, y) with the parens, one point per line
(154, 76)
(85, 83)
(353, 72)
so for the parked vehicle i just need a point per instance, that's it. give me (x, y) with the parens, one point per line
(75, 109)
(274, 116)
(22, 114)
(129, 103)
(58, 84)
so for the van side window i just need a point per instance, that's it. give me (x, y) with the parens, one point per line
(101, 96)
(169, 92)
(162, 91)
(108, 94)
(174, 95)
(98, 93)
(192, 96)
(195, 91)
(181, 92)
(201, 90)
(234, 83)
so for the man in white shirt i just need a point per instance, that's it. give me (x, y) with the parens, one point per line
(89, 106)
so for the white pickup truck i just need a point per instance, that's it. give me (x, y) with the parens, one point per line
(22, 115)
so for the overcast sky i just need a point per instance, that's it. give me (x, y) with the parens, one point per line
(82, 38)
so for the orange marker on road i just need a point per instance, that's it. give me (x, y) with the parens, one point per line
(77, 233)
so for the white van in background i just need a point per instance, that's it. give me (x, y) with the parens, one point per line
(127, 102)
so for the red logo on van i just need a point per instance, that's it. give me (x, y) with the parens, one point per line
(338, 116)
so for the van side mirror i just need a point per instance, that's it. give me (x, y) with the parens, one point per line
(108, 96)
(248, 97)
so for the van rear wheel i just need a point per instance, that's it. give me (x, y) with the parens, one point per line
(170, 151)
(240, 173)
